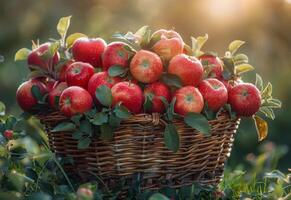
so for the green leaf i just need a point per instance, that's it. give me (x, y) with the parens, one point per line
(121, 111)
(171, 137)
(100, 118)
(197, 44)
(198, 122)
(210, 115)
(261, 127)
(267, 92)
(77, 135)
(76, 119)
(148, 104)
(144, 36)
(2, 108)
(243, 68)
(241, 59)
(106, 132)
(103, 94)
(116, 70)
(63, 26)
(158, 196)
(259, 82)
(36, 93)
(21, 54)
(231, 113)
(72, 38)
(274, 103)
(39, 195)
(86, 127)
(226, 75)
(228, 64)
(171, 80)
(2, 59)
(64, 126)
(170, 113)
(114, 121)
(188, 50)
(235, 45)
(268, 112)
(84, 143)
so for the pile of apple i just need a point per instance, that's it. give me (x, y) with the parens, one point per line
(143, 72)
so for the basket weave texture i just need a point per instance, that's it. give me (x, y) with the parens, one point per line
(138, 148)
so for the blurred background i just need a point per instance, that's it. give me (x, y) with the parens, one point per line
(265, 25)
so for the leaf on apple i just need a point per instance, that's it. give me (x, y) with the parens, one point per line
(64, 126)
(198, 122)
(171, 138)
(228, 64)
(63, 26)
(261, 127)
(36, 93)
(117, 70)
(267, 91)
(243, 68)
(21, 54)
(84, 143)
(148, 104)
(121, 111)
(171, 80)
(72, 38)
(77, 134)
(234, 46)
(170, 112)
(143, 36)
(107, 132)
(207, 112)
(104, 95)
(268, 112)
(53, 48)
(100, 118)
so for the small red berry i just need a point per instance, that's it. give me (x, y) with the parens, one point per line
(8, 134)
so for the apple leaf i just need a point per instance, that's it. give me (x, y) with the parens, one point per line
(170, 113)
(64, 126)
(231, 113)
(84, 143)
(148, 104)
(188, 50)
(171, 80)
(259, 82)
(76, 119)
(114, 121)
(158, 196)
(116, 70)
(243, 68)
(36, 93)
(107, 132)
(121, 111)
(143, 36)
(103, 94)
(100, 118)
(267, 91)
(241, 59)
(63, 26)
(171, 137)
(197, 44)
(261, 127)
(198, 122)
(235, 45)
(273, 103)
(228, 64)
(86, 127)
(77, 135)
(1, 59)
(268, 112)
(207, 112)
(72, 38)
(2, 108)
(21, 54)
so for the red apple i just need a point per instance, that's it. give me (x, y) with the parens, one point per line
(115, 54)
(89, 50)
(188, 68)
(157, 90)
(146, 66)
(188, 99)
(214, 93)
(167, 43)
(216, 66)
(62, 73)
(98, 79)
(79, 74)
(230, 83)
(55, 93)
(34, 57)
(245, 99)
(8, 134)
(129, 95)
(75, 100)
(24, 95)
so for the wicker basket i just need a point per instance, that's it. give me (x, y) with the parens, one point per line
(138, 148)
